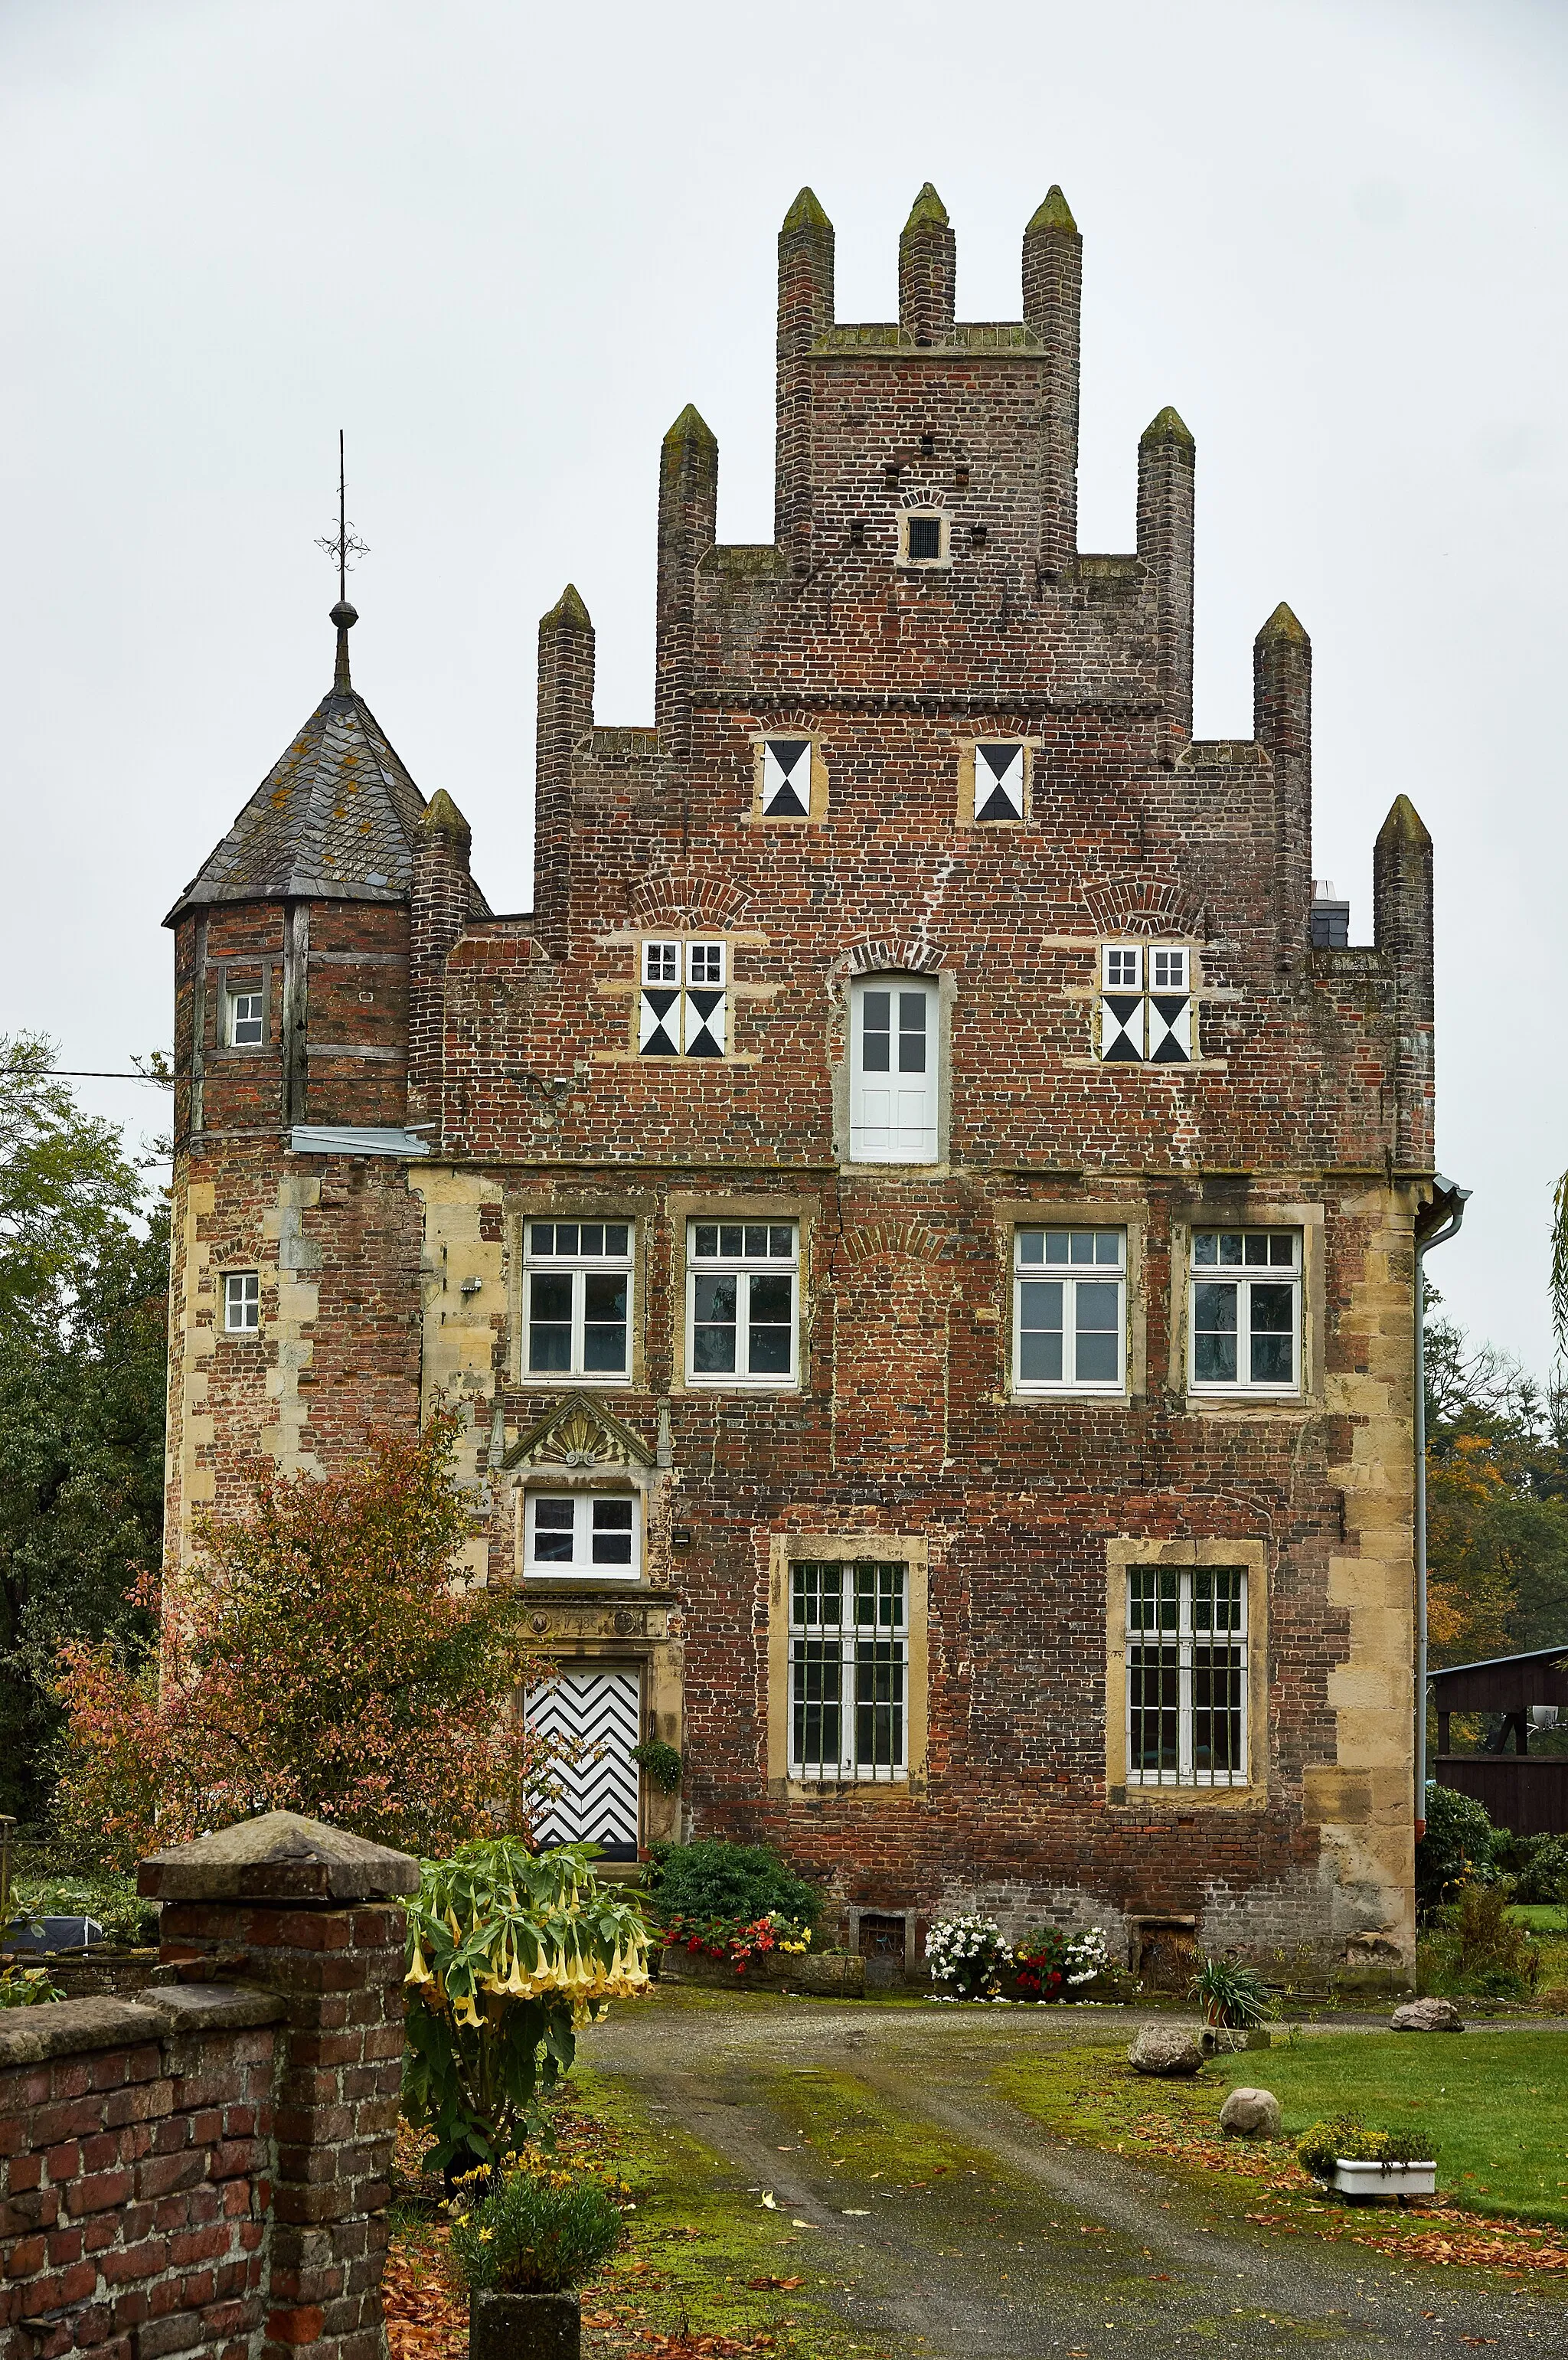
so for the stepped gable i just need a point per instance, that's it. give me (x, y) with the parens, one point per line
(333, 819)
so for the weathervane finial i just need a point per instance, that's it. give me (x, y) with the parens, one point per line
(344, 547)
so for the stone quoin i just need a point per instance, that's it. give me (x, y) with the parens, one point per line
(920, 1214)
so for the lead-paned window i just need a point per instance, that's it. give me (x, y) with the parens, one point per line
(1245, 1317)
(893, 1070)
(1069, 1310)
(682, 1004)
(582, 1532)
(1186, 1675)
(999, 783)
(849, 1663)
(578, 1283)
(742, 1294)
(242, 1302)
(1145, 1014)
(248, 1020)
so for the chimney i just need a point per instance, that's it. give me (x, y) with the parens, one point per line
(438, 911)
(687, 527)
(805, 313)
(1402, 903)
(1282, 722)
(1167, 461)
(565, 714)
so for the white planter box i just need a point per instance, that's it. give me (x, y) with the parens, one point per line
(1354, 2178)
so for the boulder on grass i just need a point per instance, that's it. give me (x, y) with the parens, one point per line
(1427, 2016)
(1166, 2051)
(1250, 2113)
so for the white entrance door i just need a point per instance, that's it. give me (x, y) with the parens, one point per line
(893, 1076)
(598, 1717)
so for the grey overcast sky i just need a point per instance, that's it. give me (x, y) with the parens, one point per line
(503, 244)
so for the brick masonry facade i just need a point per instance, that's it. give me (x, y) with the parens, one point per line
(392, 1273)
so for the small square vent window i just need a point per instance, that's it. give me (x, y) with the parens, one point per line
(925, 539)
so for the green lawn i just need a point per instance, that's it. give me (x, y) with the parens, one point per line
(1542, 1917)
(1496, 2104)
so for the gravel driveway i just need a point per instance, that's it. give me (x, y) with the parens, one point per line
(1034, 2245)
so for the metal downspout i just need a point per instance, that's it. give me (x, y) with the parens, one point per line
(1457, 1200)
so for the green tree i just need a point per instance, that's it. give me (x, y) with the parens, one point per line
(83, 1285)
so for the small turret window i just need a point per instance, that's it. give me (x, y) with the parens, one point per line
(248, 1020)
(242, 1302)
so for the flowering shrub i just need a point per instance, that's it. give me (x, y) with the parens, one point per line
(1040, 1963)
(1088, 1955)
(1048, 1963)
(738, 1940)
(322, 1655)
(533, 2228)
(508, 1954)
(966, 1952)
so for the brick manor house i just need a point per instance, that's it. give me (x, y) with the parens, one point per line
(921, 1213)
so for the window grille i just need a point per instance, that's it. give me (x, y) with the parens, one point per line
(242, 1302)
(1146, 1004)
(578, 1280)
(741, 1299)
(580, 1533)
(924, 540)
(849, 1650)
(1246, 1311)
(682, 1007)
(1186, 1677)
(248, 1020)
(1069, 1310)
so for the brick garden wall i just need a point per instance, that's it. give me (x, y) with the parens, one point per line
(205, 2170)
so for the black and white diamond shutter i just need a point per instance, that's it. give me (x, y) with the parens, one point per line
(787, 778)
(999, 783)
(598, 1717)
(1121, 1028)
(1169, 1029)
(658, 1021)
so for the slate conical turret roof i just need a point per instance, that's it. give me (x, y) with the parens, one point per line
(333, 819)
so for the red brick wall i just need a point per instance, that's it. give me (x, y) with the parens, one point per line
(135, 2173)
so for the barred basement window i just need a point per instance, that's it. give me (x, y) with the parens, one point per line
(741, 1302)
(248, 1020)
(1146, 1005)
(1069, 1310)
(849, 1655)
(786, 784)
(578, 1275)
(242, 1302)
(1245, 1317)
(682, 1006)
(582, 1532)
(1186, 1660)
(999, 783)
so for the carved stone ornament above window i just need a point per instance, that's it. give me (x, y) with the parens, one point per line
(579, 1432)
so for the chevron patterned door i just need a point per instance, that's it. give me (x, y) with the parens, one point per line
(599, 1716)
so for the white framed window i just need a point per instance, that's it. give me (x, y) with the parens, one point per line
(1186, 1675)
(1145, 1014)
(242, 1302)
(683, 1001)
(247, 1026)
(998, 783)
(1069, 1310)
(741, 1296)
(1245, 1311)
(849, 1663)
(893, 1070)
(924, 537)
(577, 1283)
(785, 783)
(594, 1533)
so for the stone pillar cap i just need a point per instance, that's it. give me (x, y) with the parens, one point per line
(278, 1857)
